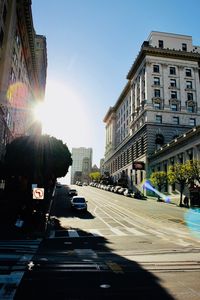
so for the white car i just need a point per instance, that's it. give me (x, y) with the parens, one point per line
(79, 203)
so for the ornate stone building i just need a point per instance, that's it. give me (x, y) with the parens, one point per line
(21, 79)
(160, 102)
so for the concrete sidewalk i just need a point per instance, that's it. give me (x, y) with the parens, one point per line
(171, 199)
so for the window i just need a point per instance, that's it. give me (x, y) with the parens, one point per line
(12, 75)
(189, 96)
(174, 107)
(173, 82)
(4, 14)
(159, 139)
(1, 37)
(157, 105)
(190, 108)
(156, 81)
(137, 149)
(188, 72)
(192, 122)
(17, 39)
(160, 44)
(175, 120)
(173, 94)
(172, 71)
(188, 84)
(142, 145)
(159, 119)
(184, 47)
(157, 93)
(156, 69)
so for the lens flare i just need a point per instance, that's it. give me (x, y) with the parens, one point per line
(147, 185)
(192, 219)
(17, 95)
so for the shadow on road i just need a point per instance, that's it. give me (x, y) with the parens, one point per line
(86, 268)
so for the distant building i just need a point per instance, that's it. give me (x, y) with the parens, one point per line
(95, 169)
(82, 162)
(160, 102)
(22, 71)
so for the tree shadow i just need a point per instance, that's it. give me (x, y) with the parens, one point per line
(87, 268)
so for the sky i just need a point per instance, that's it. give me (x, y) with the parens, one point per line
(91, 46)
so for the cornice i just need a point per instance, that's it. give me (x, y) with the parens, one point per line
(179, 140)
(159, 52)
(25, 16)
(108, 114)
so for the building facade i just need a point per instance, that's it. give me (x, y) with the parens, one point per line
(21, 80)
(81, 165)
(160, 102)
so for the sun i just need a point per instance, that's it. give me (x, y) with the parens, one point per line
(63, 114)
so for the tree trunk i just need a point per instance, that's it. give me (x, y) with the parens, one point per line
(181, 196)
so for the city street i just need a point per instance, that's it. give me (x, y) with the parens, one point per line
(122, 248)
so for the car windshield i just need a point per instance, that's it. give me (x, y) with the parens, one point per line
(79, 200)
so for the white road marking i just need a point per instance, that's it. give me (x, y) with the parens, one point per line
(117, 231)
(134, 231)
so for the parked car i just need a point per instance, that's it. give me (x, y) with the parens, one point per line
(139, 195)
(72, 192)
(117, 188)
(58, 185)
(128, 193)
(79, 203)
(121, 191)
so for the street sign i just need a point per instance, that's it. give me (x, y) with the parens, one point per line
(38, 193)
(138, 165)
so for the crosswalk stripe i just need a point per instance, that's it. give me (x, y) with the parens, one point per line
(73, 233)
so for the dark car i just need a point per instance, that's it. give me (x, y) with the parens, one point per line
(79, 203)
(72, 192)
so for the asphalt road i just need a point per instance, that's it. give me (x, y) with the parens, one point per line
(122, 248)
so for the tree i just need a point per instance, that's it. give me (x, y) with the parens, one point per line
(180, 174)
(37, 157)
(95, 176)
(195, 173)
(159, 179)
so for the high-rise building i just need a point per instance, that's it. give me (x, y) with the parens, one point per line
(22, 70)
(160, 102)
(81, 165)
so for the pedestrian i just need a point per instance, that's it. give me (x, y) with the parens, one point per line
(186, 201)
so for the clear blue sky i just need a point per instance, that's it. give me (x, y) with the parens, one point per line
(91, 46)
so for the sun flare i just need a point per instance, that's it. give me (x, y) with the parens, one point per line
(63, 114)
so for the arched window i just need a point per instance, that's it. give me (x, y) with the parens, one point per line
(159, 139)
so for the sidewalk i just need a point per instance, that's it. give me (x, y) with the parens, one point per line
(174, 200)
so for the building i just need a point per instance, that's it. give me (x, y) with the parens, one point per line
(179, 150)
(81, 165)
(41, 63)
(160, 102)
(22, 71)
